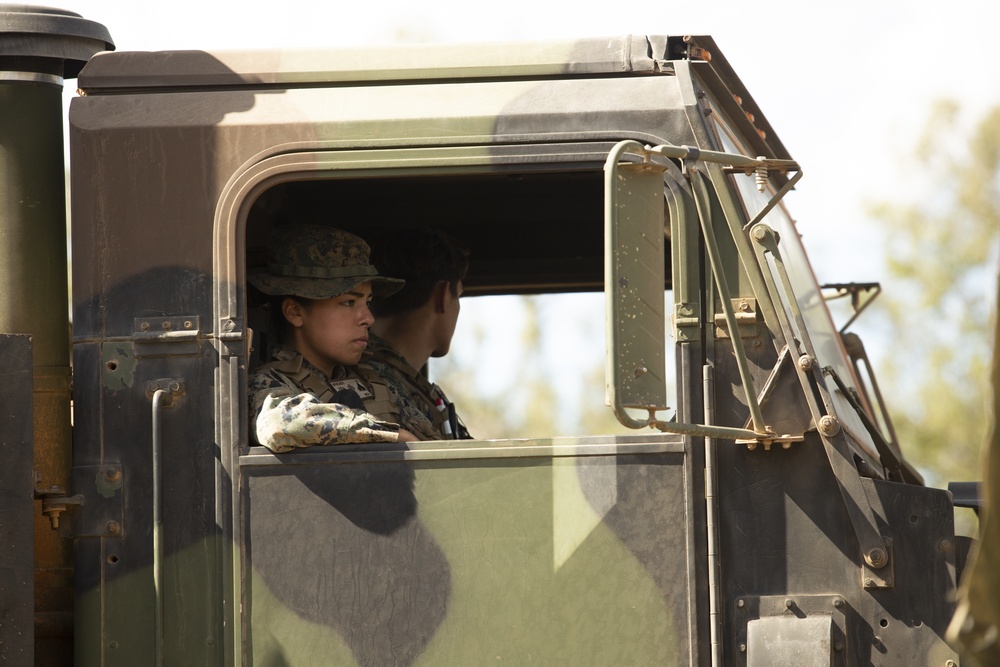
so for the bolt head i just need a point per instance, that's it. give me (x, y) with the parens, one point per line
(828, 425)
(876, 557)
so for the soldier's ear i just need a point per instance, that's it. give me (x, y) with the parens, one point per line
(441, 294)
(293, 310)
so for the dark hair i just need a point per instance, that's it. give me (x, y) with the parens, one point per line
(422, 257)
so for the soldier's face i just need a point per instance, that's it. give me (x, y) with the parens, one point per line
(331, 332)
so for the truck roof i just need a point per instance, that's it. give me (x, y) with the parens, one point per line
(151, 72)
(404, 62)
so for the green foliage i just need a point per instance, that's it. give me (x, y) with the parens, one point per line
(942, 252)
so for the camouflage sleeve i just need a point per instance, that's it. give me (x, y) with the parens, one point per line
(283, 418)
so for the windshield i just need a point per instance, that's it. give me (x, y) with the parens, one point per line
(820, 329)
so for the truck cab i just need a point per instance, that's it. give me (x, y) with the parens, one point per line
(762, 515)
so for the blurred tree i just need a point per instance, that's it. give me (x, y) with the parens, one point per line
(524, 406)
(530, 399)
(942, 253)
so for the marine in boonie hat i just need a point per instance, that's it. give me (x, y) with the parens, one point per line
(318, 262)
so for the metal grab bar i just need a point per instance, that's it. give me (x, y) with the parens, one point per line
(158, 397)
(163, 393)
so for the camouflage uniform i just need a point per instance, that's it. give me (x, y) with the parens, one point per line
(292, 402)
(286, 413)
(424, 407)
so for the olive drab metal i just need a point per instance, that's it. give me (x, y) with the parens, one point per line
(762, 513)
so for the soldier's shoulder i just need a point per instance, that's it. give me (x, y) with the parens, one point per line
(265, 378)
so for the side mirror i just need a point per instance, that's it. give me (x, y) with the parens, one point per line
(635, 321)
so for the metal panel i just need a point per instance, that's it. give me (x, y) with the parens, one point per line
(371, 557)
(17, 598)
(186, 69)
(790, 641)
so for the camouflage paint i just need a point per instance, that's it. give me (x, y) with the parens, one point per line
(589, 551)
(523, 560)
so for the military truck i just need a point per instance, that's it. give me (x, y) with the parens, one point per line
(763, 515)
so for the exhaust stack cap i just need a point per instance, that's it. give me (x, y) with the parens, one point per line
(54, 40)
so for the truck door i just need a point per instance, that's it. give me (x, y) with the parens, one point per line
(565, 550)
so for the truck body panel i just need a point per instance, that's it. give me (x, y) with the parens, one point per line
(768, 520)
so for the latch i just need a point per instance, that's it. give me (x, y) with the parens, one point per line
(54, 501)
(166, 336)
(98, 509)
(746, 314)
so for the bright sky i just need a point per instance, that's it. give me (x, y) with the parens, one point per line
(846, 85)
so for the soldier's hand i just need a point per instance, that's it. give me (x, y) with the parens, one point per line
(406, 436)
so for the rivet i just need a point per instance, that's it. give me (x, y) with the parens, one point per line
(166, 324)
(741, 603)
(743, 648)
(144, 326)
(112, 527)
(112, 474)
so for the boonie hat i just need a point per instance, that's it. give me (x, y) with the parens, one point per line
(318, 262)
